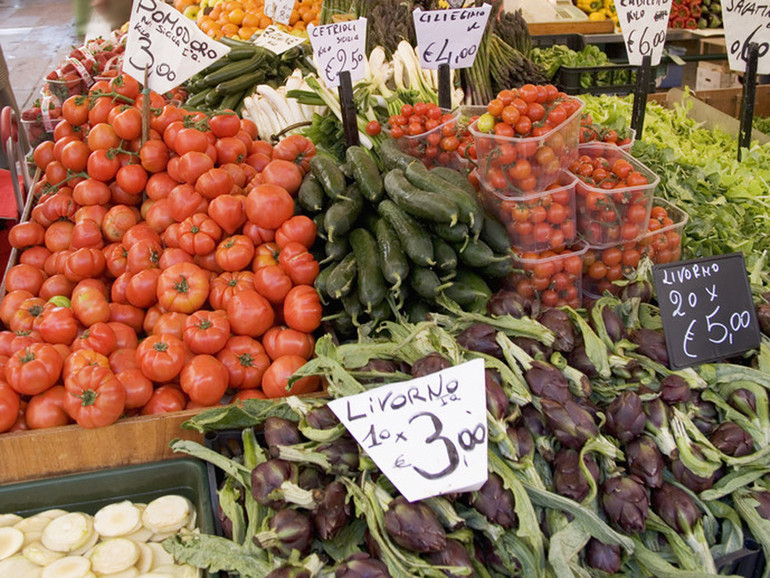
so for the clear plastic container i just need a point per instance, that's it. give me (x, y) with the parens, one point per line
(525, 163)
(664, 244)
(631, 135)
(426, 146)
(63, 88)
(39, 131)
(606, 217)
(538, 221)
(554, 278)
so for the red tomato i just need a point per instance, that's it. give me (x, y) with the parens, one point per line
(273, 283)
(225, 286)
(235, 253)
(142, 288)
(95, 397)
(47, 409)
(245, 360)
(204, 380)
(26, 235)
(302, 309)
(225, 123)
(229, 212)
(10, 304)
(165, 399)
(280, 341)
(77, 360)
(160, 357)
(123, 360)
(214, 182)
(33, 369)
(99, 337)
(283, 173)
(183, 288)
(199, 234)
(9, 407)
(275, 382)
(58, 325)
(118, 220)
(171, 324)
(243, 394)
(297, 149)
(206, 331)
(299, 228)
(25, 316)
(23, 277)
(298, 263)
(250, 313)
(269, 206)
(138, 387)
(56, 285)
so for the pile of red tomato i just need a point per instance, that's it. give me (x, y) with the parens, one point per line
(524, 137)
(613, 198)
(159, 276)
(425, 131)
(551, 277)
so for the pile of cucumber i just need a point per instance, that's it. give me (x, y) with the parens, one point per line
(224, 83)
(399, 240)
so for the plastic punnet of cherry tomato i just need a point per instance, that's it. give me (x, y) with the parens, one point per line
(601, 267)
(591, 131)
(551, 277)
(613, 195)
(427, 132)
(156, 276)
(663, 241)
(539, 221)
(526, 136)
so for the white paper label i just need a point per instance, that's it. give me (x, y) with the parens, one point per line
(644, 24)
(747, 22)
(279, 10)
(169, 44)
(339, 46)
(450, 36)
(276, 40)
(427, 435)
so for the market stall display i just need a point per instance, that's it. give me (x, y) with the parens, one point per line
(222, 244)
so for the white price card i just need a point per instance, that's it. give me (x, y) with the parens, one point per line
(450, 36)
(644, 24)
(276, 40)
(279, 10)
(427, 435)
(169, 44)
(339, 46)
(747, 22)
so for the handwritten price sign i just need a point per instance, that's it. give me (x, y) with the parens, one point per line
(747, 22)
(450, 36)
(339, 46)
(169, 44)
(279, 10)
(644, 25)
(277, 41)
(707, 310)
(427, 435)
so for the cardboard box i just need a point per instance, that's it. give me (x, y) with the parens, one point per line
(711, 76)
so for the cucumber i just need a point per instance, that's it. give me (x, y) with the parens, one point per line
(469, 208)
(494, 234)
(418, 202)
(347, 170)
(352, 306)
(393, 261)
(457, 178)
(426, 283)
(320, 231)
(381, 312)
(241, 52)
(234, 70)
(476, 253)
(329, 175)
(392, 156)
(213, 98)
(415, 240)
(457, 233)
(446, 258)
(337, 249)
(311, 195)
(342, 215)
(343, 324)
(231, 101)
(418, 311)
(341, 280)
(198, 98)
(240, 83)
(365, 172)
(499, 267)
(371, 285)
(320, 281)
(235, 43)
(468, 288)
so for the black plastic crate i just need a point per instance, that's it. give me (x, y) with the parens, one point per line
(618, 79)
(574, 42)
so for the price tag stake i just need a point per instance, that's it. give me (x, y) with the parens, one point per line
(644, 76)
(747, 98)
(349, 122)
(427, 435)
(444, 86)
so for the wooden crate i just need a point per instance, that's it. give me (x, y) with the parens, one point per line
(571, 27)
(43, 453)
(727, 100)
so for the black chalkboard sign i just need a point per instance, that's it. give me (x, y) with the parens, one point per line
(707, 310)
